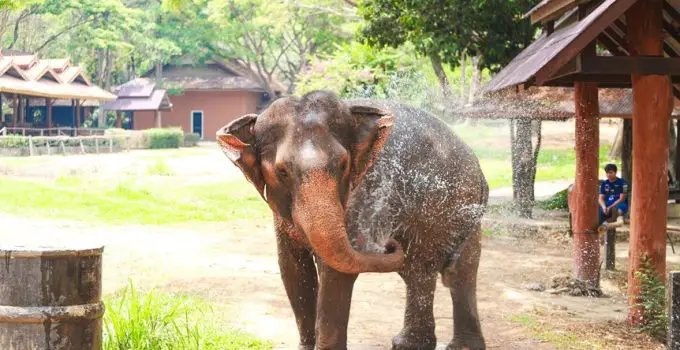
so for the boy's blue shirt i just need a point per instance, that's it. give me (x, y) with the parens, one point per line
(613, 190)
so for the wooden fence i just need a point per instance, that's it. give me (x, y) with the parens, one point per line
(53, 145)
(65, 131)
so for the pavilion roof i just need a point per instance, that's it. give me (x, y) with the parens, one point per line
(139, 95)
(53, 78)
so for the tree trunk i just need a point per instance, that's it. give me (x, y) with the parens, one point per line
(627, 152)
(441, 75)
(463, 77)
(476, 80)
(617, 145)
(676, 165)
(523, 166)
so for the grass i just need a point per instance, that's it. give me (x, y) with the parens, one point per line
(553, 164)
(164, 321)
(560, 338)
(132, 201)
(161, 168)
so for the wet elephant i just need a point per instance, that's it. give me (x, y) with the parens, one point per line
(366, 186)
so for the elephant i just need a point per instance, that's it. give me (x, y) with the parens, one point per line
(365, 186)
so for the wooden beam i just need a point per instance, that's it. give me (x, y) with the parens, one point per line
(627, 151)
(552, 10)
(600, 22)
(610, 45)
(627, 65)
(652, 106)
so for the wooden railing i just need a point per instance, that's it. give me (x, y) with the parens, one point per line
(61, 131)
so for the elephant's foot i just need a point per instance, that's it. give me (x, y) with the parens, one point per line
(469, 342)
(306, 347)
(410, 340)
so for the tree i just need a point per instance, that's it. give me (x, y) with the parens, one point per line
(445, 31)
(271, 40)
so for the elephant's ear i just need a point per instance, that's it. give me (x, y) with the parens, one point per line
(373, 127)
(237, 140)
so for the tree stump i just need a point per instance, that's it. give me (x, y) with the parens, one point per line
(50, 298)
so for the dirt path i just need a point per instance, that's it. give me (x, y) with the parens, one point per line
(233, 265)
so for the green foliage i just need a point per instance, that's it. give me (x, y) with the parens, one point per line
(191, 139)
(652, 301)
(356, 69)
(14, 142)
(492, 29)
(556, 201)
(164, 138)
(155, 321)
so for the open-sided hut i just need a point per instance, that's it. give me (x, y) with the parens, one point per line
(643, 38)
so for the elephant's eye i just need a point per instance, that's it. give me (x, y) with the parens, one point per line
(283, 173)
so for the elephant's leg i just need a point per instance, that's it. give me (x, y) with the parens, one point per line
(335, 297)
(461, 278)
(418, 330)
(299, 278)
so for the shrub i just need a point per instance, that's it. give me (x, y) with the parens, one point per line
(164, 138)
(652, 301)
(13, 142)
(557, 201)
(191, 140)
(166, 321)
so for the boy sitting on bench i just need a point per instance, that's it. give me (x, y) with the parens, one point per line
(613, 201)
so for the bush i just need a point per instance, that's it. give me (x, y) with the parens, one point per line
(557, 201)
(165, 321)
(652, 301)
(14, 142)
(191, 140)
(164, 138)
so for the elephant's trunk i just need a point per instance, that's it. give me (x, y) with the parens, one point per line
(319, 213)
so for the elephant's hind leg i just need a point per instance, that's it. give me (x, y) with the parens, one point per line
(418, 330)
(461, 278)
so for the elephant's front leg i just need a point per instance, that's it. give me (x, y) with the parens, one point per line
(335, 297)
(299, 278)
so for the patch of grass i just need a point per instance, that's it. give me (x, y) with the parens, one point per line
(132, 202)
(557, 201)
(561, 339)
(160, 167)
(553, 164)
(151, 321)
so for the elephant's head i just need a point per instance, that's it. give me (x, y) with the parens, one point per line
(305, 155)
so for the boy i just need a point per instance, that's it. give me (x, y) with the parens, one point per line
(613, 190)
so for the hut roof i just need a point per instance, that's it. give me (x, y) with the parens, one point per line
(187, 74)
(549, 103)
(57, 79)
(139, 95)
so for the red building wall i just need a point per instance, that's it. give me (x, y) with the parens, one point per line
(218, 107)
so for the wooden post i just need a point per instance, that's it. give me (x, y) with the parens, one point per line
(610, 249)
(15, 107)
(110, 144)
(586, 247)
(119, 120)
(158, 119)
(73, 113)
(21, 111)
(30, 145)
(652, 106)
(49, 114)
(63, 311)
(96, 144)
(49, 151)
(77, 114)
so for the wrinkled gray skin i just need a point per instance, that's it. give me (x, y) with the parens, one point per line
(426, 190)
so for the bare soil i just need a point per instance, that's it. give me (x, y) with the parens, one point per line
(233, 265)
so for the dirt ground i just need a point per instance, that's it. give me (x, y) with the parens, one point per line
(233, 266)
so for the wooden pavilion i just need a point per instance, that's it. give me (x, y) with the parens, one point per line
(32, 85)
(643, 37)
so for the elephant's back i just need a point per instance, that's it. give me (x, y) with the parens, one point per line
(425, 176)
